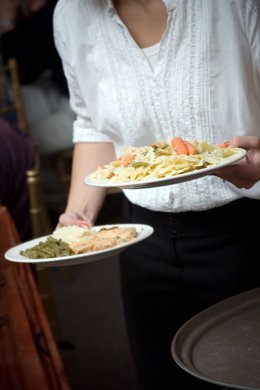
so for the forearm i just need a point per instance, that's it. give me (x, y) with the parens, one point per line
(83, 199)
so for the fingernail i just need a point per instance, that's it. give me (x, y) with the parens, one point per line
(84, 225)
(224, 144)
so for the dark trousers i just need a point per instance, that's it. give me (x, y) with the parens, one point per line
(193, 260)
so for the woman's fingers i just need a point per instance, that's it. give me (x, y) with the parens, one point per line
(238, 174)
(247, 142)
(71, 218)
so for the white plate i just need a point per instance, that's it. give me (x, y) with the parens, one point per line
(182, 177)
(13, 254)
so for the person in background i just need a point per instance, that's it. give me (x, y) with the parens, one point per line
(17, 156)
(27, 35)
(142, 71)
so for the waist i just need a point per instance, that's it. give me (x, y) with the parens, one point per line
(235, 213)
(196, 195)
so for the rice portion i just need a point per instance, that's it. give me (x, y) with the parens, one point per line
(72, 233)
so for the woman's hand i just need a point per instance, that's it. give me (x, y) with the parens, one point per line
(244, 173)
(73, 218)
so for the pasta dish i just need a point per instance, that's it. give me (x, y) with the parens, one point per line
(162, 159)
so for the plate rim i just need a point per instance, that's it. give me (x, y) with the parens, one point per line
(169, 180)
(193, 329)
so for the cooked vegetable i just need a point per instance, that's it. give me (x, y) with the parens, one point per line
(191, 148)
(224, 144)
(139, 164)
(179, 146)
(48, 249)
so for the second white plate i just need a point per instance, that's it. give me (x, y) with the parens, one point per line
(165, 181)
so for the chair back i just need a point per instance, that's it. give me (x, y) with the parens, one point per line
(11, 102)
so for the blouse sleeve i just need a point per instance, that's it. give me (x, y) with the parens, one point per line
(253, 30)
(83, 127)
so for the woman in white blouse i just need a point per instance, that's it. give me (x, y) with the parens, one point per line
(143, 71)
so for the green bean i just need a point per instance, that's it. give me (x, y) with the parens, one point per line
(139, 164)
(48, 249)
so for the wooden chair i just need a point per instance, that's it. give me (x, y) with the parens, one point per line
(10, 93)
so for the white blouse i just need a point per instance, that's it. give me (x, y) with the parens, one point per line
(152, 54)
(205, 84)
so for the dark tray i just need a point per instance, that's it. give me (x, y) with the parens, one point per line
(222, 343)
